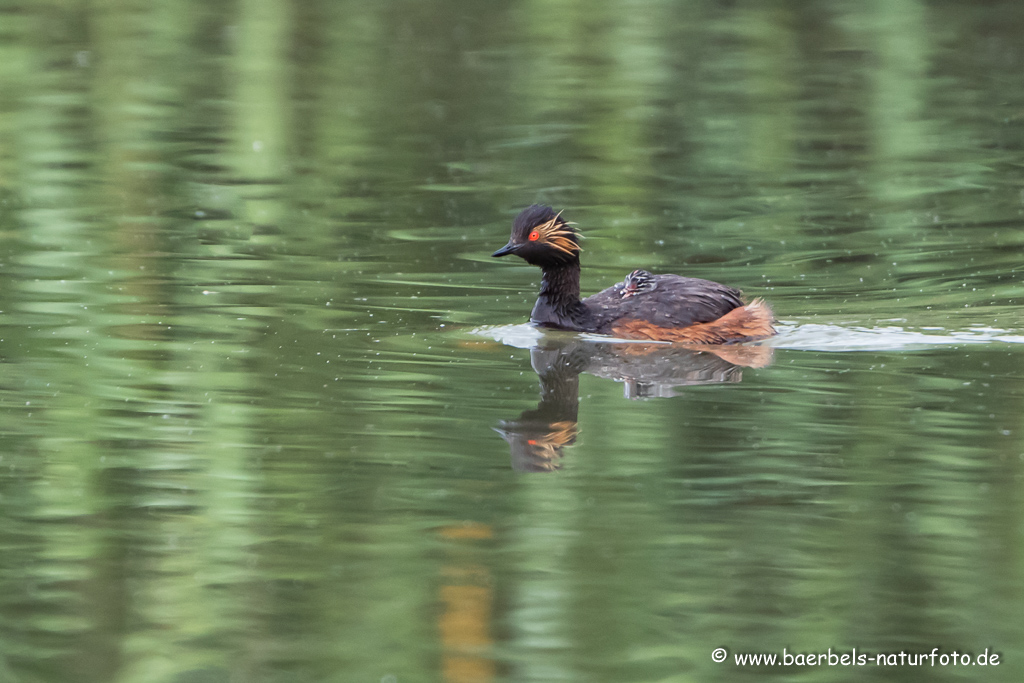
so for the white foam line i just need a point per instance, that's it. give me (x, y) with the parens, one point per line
(818, 337)
(803, 337)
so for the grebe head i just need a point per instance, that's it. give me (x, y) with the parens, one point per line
(542, 237)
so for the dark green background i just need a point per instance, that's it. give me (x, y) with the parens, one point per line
(248, 376)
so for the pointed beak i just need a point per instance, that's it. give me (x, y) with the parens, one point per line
(506, 250)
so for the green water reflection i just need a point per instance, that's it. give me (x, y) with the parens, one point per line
(266, 403)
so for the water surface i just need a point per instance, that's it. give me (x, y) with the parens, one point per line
(267, 404)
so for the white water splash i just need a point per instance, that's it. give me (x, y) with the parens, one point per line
(821, 337)
(805, 337)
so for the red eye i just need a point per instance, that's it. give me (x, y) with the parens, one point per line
(534, 236)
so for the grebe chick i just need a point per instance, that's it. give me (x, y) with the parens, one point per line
(637, 282)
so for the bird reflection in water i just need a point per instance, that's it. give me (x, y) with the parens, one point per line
(538, 437)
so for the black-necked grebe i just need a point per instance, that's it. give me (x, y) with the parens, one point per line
(644, 306)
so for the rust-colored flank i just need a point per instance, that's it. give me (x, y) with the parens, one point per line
(746, 323)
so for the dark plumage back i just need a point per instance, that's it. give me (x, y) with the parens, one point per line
(676, 301)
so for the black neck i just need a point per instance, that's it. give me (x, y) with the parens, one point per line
(559, 302)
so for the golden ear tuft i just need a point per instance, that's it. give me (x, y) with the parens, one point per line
(559, 235)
